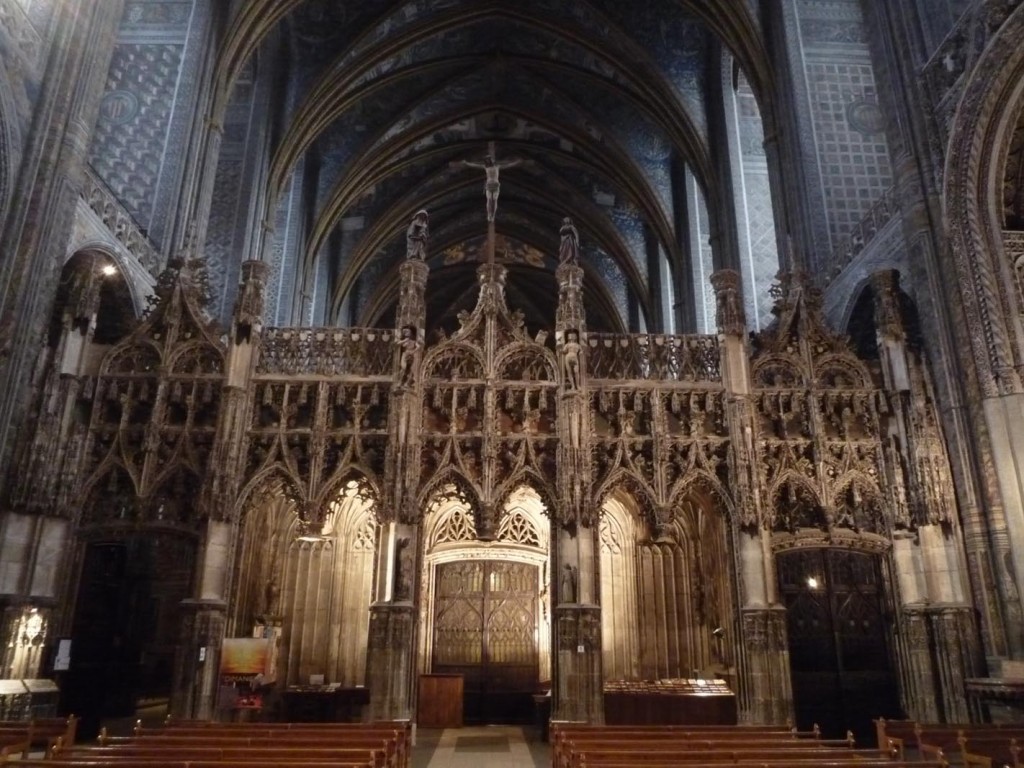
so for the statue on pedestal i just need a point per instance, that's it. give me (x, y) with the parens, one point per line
(416, 236)
(569, 246)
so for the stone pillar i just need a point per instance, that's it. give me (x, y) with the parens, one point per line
(577, 682)
(765, 689)
(769, 691)
(938, 638)
(390, 653)
(197, 662)
(51, 175)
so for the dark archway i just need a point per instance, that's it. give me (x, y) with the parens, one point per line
(126, 624)
(841, 640)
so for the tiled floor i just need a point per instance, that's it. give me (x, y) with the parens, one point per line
(490, 746)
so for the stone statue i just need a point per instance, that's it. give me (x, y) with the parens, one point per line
(271, 598)
(567, 585)
(403, 569)
(416, 236)
(569, 247)
(409, 348)
(492, 169)
(571, 360)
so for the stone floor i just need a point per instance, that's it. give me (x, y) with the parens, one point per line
(489, 746)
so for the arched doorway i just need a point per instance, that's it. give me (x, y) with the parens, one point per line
(841, 639)
(125, 628)
(487, 607)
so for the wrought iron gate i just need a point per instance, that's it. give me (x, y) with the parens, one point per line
(485, 628)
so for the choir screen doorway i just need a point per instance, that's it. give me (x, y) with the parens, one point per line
(485, 628)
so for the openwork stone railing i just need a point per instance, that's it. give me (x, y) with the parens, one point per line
(327, 352)
(119, 222)
(863, 232)
(654, 356)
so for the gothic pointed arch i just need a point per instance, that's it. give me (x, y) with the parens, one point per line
(275, 480)
(707, 488)
(858, 504)
(449, 485)
(352, 480)
(621, 481)
(528, 478)
(110, 497)
(795, 504)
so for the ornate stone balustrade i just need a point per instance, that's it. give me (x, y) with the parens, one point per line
(863, 232)
(119, 222)
(654, 356)
(327, 352)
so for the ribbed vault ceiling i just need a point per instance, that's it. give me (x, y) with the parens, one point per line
(600, 100)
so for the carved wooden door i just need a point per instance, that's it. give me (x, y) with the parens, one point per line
(839, 639)
(485, 628)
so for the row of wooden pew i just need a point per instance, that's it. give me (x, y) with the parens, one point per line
(973, 745)
(610, 746)
(19, 737)
(195, 744)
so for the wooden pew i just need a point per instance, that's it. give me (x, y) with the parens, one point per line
(974, 744)
(392, 746)
(399, 730)
(579, 746)
(23, 735)
(175, 763)
(372, 745)
(563, 733)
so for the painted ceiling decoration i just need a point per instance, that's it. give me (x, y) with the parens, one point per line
(605, 103)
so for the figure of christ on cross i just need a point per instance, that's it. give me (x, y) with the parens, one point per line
(492, 169)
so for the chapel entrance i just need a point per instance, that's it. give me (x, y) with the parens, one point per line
(485, 628)
(126, 625)
(839, 640)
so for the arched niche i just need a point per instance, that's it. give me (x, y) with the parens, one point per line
(666, 612)
(311, 587)
(94, 297)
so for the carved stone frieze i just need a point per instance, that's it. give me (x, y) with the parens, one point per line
(119, 222)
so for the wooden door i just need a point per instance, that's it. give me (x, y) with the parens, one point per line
(485, 628)
(839, 639)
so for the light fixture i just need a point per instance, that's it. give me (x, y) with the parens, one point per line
(109, 270)
(812, 582)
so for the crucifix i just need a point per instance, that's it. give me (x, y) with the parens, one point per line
(492, 169)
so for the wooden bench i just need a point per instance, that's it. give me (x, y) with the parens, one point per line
(978, 745)
(595, 746)
(398, 734)
(563, 733)
(394, 752)
(165, 762)
(22, 735)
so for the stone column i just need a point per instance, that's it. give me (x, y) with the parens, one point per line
(578, 687)
(390, 653)
(939, 638)
(980, 406)
(197, 662)
(765, 694)
(51, 176)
